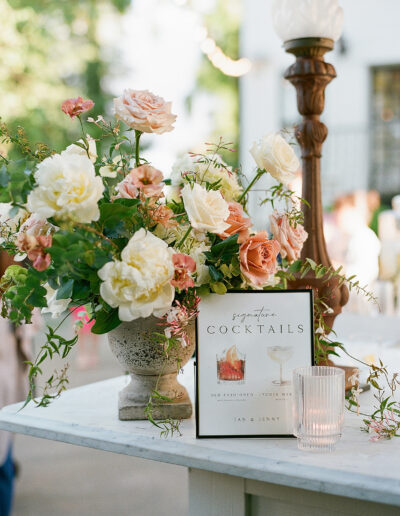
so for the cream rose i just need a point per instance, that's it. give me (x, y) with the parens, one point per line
(54, 306)
(139, 285)
(273, 154)
(67, 188)
(207, 210)
(206, 173)
(143, 111)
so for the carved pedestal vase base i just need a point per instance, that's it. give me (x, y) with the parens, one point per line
(133, 345)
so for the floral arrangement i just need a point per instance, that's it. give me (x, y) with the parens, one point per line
(111, 233)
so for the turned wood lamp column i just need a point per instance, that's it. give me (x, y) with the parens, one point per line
(308, 29)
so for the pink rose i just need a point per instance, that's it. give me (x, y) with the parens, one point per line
(258, 258)
(144, 179)
(184, 267)
(237, 223)
(291, 238)
(144, 111)
(74, 107)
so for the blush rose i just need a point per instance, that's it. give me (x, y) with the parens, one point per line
(290, 237)
(144, 179)
(143, 111)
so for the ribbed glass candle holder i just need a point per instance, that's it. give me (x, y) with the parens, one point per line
(318, 407)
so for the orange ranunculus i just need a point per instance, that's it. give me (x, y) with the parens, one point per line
(237, 223)
(258, 258)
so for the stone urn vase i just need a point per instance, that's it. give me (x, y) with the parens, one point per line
(145, 361)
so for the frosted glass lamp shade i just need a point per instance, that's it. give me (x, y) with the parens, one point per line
(295, 19)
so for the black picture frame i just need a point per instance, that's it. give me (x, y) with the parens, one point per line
(197, 361)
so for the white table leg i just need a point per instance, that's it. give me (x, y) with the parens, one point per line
(214, 494)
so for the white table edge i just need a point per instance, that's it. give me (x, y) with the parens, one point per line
(312, 478)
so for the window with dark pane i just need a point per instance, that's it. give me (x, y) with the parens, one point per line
(385, 130)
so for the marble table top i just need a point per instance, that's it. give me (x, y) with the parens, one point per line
(87, 416)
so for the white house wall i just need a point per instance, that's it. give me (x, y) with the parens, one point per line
(372, 37)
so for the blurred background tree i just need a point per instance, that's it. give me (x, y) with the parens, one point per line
(56, 49)
(52, 50)
(223, 24)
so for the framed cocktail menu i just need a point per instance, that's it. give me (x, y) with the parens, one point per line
(248, 343)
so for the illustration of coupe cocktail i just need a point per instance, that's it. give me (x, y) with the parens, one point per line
(280, 354)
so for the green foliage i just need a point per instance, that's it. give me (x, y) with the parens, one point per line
(106, 320)
(120, 218)
(16, 181)
(55, 345)
(21, 292)
(79, 254)
(169, 426)
(223, 250)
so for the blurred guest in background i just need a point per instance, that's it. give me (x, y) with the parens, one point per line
(352, 243)
(375, 207)
(389, 233)
(15, 349)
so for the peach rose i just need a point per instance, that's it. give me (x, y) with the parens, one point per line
(258, 258)
(184, 266)
(237, 223)
(34, 247)
(74, 107)
(291, 238)
(144, 179)
(143, 111)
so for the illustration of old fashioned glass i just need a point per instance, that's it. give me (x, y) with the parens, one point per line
(231, 366)
(280, 354)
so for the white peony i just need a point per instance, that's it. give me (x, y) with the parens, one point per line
(206, 173)
(139, 285)
(273, 154)
(67, 188)
(54, 306)
(207, 209)
(76, 149)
